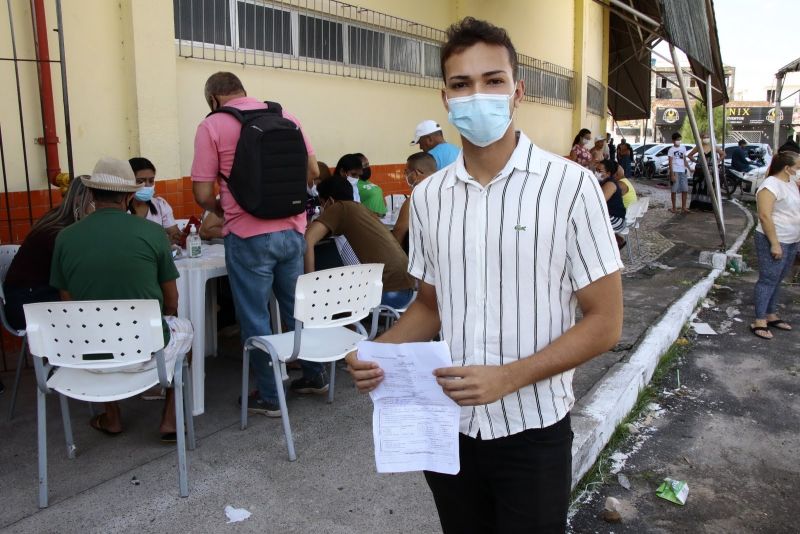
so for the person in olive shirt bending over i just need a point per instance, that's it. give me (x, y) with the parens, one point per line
(371, 240)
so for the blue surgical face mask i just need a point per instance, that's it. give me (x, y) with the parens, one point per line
(481, 118)
(145, 193)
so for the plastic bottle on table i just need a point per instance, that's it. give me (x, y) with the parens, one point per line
(194, 246)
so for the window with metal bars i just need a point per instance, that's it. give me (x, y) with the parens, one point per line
(264, 29)
(335, 38)
(595, 96)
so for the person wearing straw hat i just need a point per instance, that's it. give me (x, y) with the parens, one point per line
(111, 255)
(428, 135)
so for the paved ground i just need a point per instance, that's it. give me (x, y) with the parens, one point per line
(730, 431)
(333, 486)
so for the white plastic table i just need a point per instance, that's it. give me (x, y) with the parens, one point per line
(198, 303)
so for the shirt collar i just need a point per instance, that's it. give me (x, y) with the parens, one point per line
(526, 157)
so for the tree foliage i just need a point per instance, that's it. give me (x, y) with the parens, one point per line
(701, 116)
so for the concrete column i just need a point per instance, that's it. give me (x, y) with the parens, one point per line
(154, 121)
(579, 52)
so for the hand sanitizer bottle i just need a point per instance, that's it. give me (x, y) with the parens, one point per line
(193, 243)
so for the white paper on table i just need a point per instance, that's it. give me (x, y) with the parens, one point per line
(414, 424)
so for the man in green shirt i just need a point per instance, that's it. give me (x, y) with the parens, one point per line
(112, 255)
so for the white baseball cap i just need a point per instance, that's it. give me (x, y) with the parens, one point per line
(425, 128)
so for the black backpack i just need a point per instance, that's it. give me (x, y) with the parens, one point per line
(270, 167)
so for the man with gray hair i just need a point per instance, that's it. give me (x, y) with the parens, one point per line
(110, 255)
(261, 255)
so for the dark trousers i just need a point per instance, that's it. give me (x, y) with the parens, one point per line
(520, 483)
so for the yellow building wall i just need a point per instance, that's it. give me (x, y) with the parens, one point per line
(130, 94)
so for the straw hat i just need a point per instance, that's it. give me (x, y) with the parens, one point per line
(111, 174)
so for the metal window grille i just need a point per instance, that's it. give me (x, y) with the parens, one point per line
(547, 83)
(595, 96)
(333, 37)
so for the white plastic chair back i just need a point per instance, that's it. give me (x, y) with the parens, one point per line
(94, 334)
(339, 296)
(633, 212)
(7, 253)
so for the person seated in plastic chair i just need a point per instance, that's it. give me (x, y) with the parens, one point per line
(111, 255)
(370, 239)
(28, 277)
(418, 167)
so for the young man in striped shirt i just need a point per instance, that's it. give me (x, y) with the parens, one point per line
(505, 243)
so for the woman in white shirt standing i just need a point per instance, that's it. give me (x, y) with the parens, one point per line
(776, 238)
(145, 204)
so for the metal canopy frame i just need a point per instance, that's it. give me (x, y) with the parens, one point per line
(794, 66)
(650, 32)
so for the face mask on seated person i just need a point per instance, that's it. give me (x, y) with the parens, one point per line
(145, 194)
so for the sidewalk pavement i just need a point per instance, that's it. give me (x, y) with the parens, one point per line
(332, 487)
(726, 422)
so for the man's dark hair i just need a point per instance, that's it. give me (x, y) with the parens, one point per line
(676, 136)
(101, 195)
(348, 162)
(470, 31)
(610, 165)
(423, 162)
(742, 142)
(141, 164)
(223, 84)
(335, 187)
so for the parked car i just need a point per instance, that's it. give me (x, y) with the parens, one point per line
(655, 161)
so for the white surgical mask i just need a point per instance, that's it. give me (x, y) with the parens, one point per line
(587, 142)
(481, 118)
(145, 193)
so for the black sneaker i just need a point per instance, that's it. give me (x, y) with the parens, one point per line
(256, 405)
(317, 385)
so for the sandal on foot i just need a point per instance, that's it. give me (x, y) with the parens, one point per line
(95, 422)
(759, 330)
(779, 324)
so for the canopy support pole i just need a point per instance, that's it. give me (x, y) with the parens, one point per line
(696, 132)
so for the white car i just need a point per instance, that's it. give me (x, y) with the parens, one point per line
(655, 160)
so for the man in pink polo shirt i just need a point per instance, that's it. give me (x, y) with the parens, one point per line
(261, 255)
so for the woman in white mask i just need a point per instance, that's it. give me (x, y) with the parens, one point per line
(580, 153)
(776, 237)
(145, 204)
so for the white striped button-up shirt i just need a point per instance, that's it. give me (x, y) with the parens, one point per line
(506, 260)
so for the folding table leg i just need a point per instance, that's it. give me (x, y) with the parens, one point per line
(41, 422)
(67, 426)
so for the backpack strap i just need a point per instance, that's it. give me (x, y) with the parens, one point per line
(274, 107)
(237, 114)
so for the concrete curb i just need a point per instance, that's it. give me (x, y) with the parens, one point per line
(597, 415)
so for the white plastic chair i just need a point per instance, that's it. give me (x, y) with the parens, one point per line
(631, 213)
(79, 337)
(391, 315)
(7, 253)
(325, 303)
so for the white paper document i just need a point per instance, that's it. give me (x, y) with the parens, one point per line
(414, 424)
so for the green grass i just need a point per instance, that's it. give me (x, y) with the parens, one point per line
(599, 473)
